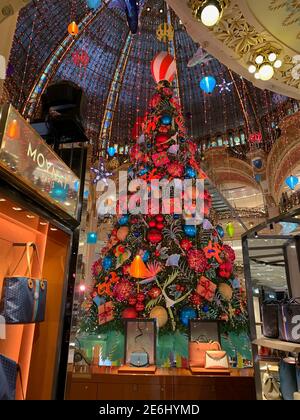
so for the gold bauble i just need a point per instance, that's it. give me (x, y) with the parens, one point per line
(165, 32)
(225, 291)
(161, 315)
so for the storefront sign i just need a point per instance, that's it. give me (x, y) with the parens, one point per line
(26, 155)
(255, 138)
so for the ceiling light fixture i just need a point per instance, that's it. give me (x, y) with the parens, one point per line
(17, 209)
(53, 229)
(43, 223)
(264, 64)
(2, 200)
(209, 12)
(266, 72)
(30, 216)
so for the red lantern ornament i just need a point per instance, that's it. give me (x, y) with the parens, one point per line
(155, 292)
(129, 313)
(163, 67)
(186, 245)
(132, 301)
(154, 236)
(139, 307)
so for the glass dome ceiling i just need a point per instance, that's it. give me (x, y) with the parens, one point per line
(115, 58)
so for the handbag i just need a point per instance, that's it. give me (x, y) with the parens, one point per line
(216, 360)
(271, 387)
(197, 352)
(139, 359)
(8, 378)
(24, 298)
(269, 313)
(288, 378)
(289, 321)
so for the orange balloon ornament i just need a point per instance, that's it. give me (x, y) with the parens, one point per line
(13, 129)
(73, 29)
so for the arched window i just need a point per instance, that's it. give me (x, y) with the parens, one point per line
(237, 141)
(219, 141)
(231, 140)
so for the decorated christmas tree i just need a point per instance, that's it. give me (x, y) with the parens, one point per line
(159, 265)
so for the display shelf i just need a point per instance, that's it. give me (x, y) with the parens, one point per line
(278, 345)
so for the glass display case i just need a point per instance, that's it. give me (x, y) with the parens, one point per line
(271, 260)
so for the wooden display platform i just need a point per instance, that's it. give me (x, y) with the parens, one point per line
(277, 345)
(142, 370)
(210, 372)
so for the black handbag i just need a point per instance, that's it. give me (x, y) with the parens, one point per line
(8, 378)
(289, 321)
(23, 297)
(269, 313)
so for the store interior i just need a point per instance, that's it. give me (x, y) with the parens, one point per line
(114, 286)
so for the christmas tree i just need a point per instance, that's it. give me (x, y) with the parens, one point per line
(159, 265)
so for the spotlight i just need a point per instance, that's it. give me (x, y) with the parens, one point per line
(272, 57)
(209, 12)
(161, 11)
(266, 72)
(252, 69)
(259, 59)
(255, 235)
(278, 64)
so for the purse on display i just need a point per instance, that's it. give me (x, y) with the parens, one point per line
(139, 360)
(216, 360)
(289, 321)
(271, 387)
(24, 298)
(197, 352)
(269, 313)
(8, 378)
(288, 378)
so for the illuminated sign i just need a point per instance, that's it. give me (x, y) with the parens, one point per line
(25, 154)
(255, 138)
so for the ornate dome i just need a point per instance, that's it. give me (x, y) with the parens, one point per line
(113, 68)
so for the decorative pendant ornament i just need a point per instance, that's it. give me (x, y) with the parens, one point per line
(190, 230)
(138, 269)
(101, 174)
(224, 86)
(292, 182)
(111, 151)
(163, 67)
(165, 32)
(208, 84)
(186, 314)
(166, 120)
(197, 260)
(230, 230)
(73, 28)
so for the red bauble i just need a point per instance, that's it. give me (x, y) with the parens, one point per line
(140, 297)
(197, 260)
(122, 290)
(175, 169)
(160, 226)
(132, 301)
(154, 292)
(225, 270)
(139, 307)
(159, 218)
(154, 236)
(186, 245)
(161, 138)
(129, 313)
(152, 224)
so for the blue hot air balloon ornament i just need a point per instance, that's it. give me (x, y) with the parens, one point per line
(292, 181)
(208, 84)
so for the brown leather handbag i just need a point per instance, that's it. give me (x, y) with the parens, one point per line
(197, 352)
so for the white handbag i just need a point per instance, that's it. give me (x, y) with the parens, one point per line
(216, 360)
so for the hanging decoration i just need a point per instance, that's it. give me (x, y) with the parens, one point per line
(131, 8)
(230, 229)
(163, 67)
(92, 238)
(165, 32)
(292, 181)
(101, 174)
(224, 86)
(73, 29)
(13, 130)
(208, 84)
(111, 151)
(94, 4)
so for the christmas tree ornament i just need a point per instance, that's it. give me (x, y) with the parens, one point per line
(129, 313)
(230, 230)
(106, 313)
(107, 263)
(190, 230)
(173, 260)
(111, 151)
(195, 299)
(122, 233)
(165, 32)
(166, 120)
(190, 172)
(175, 169)
(139, 307)
(186, 314)
(197, 260)
(132, 301)
(122, 290)
(206, 289)
(94, 4)
(138, 269)
(220, 231)
(154, 236)
(186, 244)
(225, 270)
(230, 254)
(225, 291)
(92, 238)
(140, 297)
(160, 314)
(154, 293)
(123, 220)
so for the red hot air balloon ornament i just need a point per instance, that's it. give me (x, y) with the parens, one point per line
(163, 67)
